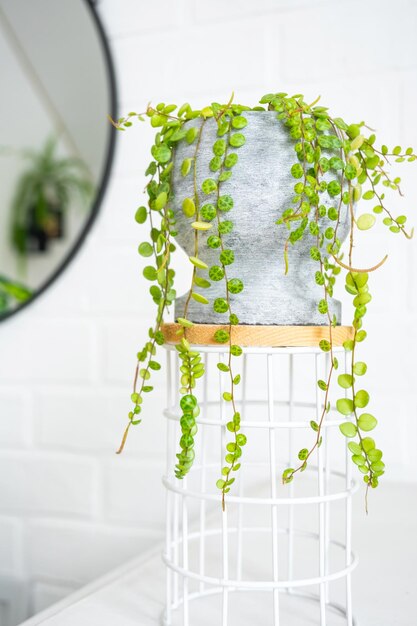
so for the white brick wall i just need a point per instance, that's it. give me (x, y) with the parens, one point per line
(76, 552)
(70, 509)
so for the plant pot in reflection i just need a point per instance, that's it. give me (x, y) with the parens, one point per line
(41, 229)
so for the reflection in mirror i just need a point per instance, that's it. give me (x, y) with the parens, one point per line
(55, 142)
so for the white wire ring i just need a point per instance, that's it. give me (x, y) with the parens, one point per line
(266, 584)
(214, 497)
(332, 606)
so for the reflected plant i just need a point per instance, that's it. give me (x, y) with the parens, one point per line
(12, 293)
(44, 192)
(336, 164)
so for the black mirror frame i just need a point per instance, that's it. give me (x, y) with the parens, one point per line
(102, 186)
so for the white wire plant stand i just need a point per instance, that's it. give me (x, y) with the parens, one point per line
(278, 555)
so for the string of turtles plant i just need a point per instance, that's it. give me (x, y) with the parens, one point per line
(334, 160)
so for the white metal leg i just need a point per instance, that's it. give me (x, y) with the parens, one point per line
(202, 555)
(185, 579)
(273, 486)
(225, 531)
(239, 538)
(348, 539)
(168, 499)
(322, 511)
(327, 477)
(290, 460)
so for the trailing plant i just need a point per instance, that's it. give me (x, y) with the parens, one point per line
(335, 165)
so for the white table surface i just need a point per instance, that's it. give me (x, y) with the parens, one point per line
(384, 584)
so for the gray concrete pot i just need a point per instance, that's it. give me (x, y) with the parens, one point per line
(261, 187)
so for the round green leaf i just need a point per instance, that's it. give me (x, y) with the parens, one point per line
(191, 135)
(345, 406)
(221, 336)
(239, 121)
(199, 298)
(378, 466)
(141, 214)
(368, 444)
(368, 195)
(216, 273)
(188, 207)
(350, 171)
(367, 422)
(225, 227)
(303, 454)
(202, 282)
(184, 322)
(360, 368)
(353, 131)
(161, 153)
(362, 298)
(237, 140)
(198, 263)
(231, 159)
(185, 167)
(361, 399)
(287, 475)
(334, 188)
(209, 185)
(214, 241)
(215, 163)
(354, 447)
(235, 285)
(360, 335)
(333, 213)
(365, 221)
(219, 147)
(336, 163)
(227, 257)
(208, 212)
(297, 170)
(348, 429)
(161, 201)
(220, 305)
(225, 203)
(201, 225)
(375, 455)
(345, 381)
(145, 249)
(150, 273)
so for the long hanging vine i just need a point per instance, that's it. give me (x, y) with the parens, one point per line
(333, 161)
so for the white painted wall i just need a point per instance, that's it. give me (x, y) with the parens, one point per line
(69, 508)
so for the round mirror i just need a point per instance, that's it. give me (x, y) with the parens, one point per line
(56, 143)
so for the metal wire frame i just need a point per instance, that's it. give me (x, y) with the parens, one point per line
(180, 496)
